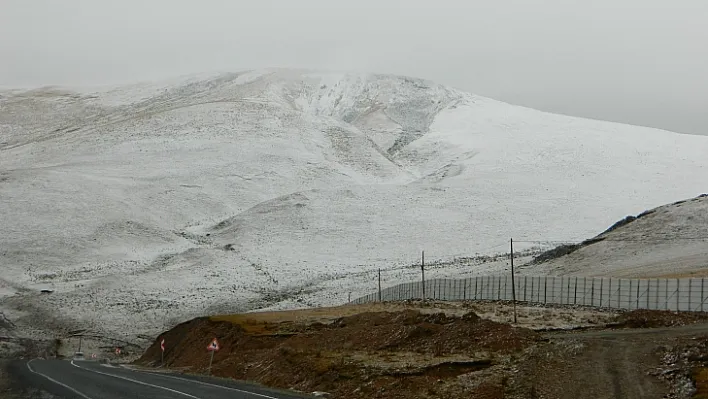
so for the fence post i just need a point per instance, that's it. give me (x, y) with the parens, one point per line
(490, 292)
(491, 287)
(545, 289)
(703, 299)
(538, 290)
(567, 292)
(689, 292)
(666, 294)
(531, 289)
(575, 297)
(602, 282)
(422, 272)
(525, 288)
(513, 285)
(678, 293)
(619, 293)
(476, 278)
(499, 288)
(609, 294)
(379, 285)
(592, 292)
(553, 288)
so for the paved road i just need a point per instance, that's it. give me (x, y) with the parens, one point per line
(91, 380)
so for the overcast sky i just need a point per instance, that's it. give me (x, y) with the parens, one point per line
(638, 61)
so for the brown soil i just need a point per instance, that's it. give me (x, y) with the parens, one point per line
(592, 368)
(402, 354)
(700, 377)
(659, 318)
(437, 350)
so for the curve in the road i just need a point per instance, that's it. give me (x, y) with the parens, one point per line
(29, 367)
(91, 380)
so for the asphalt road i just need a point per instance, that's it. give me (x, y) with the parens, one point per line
(91, 380)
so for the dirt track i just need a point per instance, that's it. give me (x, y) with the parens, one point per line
(599, 368)
(680, 331)
(605, 364)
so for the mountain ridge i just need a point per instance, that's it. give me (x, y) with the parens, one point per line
(116, 194)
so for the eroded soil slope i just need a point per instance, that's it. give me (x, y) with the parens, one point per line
(437, 350)
(401, 354)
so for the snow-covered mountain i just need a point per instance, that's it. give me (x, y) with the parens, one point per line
(155, 202)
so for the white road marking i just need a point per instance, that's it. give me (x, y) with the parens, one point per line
(136, 381)
(210, 385)
(55, 381)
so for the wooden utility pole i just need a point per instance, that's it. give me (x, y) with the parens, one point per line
(422, 272)
(379, 285)
(513, 284)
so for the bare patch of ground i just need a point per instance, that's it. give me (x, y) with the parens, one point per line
(414, 350)
(642, 318)
(535, 317)
(583, 368)
(370, 354)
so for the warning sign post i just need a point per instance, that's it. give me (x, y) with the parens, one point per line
(162, 353)
(213, 347)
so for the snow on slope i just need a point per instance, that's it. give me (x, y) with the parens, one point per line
(668, 241)
(152, 203)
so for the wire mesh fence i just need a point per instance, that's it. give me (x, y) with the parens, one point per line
(688, 294)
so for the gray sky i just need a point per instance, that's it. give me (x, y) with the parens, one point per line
(638, 61)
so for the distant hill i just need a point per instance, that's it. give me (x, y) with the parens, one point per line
(151, 202)
(668, 241)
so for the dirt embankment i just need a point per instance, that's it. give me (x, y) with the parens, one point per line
(402, 354)
(445, 350)
(643, 318)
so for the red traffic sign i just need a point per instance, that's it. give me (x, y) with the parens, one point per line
(213, 346)
(162, 344)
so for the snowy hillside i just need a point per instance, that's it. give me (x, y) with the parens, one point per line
(155, 202)
(668, 241)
